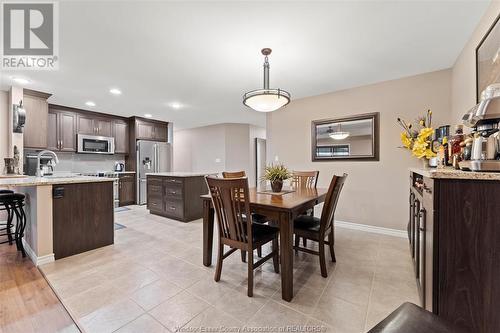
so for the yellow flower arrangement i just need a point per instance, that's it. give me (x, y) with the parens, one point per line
(419, 142)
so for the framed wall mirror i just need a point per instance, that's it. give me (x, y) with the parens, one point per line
(349, 138)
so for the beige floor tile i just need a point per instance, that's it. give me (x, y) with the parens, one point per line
(212, 319)
(341, 315)
(275, 316)
(155, 293)
(111, 317)
(178, 310)
(155, 258)
(229, 298)
(143, 324)
(93, 299)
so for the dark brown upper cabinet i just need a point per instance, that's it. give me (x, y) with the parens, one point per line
(121, 135)
(61, 133)
(89, 124)
(151, 130)
(354, 138)
(37, 109)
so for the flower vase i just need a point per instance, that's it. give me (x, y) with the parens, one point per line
(277, 185)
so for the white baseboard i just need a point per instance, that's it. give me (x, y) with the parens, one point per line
(37, 260)
(371, 228)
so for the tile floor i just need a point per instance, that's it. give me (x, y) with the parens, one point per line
(152, 280)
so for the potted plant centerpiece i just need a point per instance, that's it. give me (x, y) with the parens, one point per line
(276, 174)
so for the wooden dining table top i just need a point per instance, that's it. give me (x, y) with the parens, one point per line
(295, 198)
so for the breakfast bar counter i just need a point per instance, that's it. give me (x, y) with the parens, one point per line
(65, 215)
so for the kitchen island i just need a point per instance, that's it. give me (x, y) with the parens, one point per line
(176, 195)
(454, 230)
(65, 215)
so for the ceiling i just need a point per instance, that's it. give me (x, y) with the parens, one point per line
(205, 55)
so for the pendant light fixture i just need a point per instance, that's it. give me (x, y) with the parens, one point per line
(266, 100)
(337, 135)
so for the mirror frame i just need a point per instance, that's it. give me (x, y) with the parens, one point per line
(375, 116)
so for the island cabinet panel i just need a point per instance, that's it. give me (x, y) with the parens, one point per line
(83, 217)
(454, 231)
(176, 197)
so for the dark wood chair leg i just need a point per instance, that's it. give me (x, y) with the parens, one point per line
(250, 274)
(276, 257)
(322, 262)
(297, 243)
(259, 251)
(330, 244)
(218, 268)
(243, 256)
(304, 241)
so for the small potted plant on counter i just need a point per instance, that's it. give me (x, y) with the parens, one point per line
(276, 174)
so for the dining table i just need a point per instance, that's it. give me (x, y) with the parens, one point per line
(280, 209)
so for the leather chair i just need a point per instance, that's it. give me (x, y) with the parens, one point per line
(410, 318)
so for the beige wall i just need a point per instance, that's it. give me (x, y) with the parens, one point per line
(217, 148)
(463, 78)
(376, 193)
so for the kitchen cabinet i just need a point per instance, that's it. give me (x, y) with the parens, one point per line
(151, 130)
(126, 188)
(453, 231)
(37, 109)
(91, 125)
(176, 197)
(121, 135)
(83, 217)
(61, 133)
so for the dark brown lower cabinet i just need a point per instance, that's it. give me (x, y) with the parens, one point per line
(454, 231)
(176, 197)
(83, 217)
(126, 188)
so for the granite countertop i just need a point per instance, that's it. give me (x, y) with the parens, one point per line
(181, 174)
(38, 181)
(450, 173)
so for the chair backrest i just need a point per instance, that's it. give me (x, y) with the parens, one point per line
(304, 179)
(232, 208)
(332, 197)
(236, 174)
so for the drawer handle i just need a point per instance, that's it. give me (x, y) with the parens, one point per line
(172, 207)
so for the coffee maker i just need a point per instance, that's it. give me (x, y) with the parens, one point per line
(484, 119)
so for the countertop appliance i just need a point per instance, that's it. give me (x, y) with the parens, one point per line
(46, 165)
(485, 121)
(91, 144)
(119, 167)
(152, 156)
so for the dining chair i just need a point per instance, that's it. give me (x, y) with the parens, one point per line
(257, 218)
(231, 205)
(305, 179)
(316, 229)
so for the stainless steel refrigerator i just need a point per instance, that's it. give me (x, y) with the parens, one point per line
(152, 156)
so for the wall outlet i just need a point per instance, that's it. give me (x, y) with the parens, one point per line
(217, 160)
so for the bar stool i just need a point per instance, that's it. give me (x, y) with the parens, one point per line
(13, 203)
(6, 226)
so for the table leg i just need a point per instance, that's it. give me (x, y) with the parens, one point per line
(286, 256)
(208, 232)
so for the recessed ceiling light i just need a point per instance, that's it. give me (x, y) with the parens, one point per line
(175, 105)
(90, 103)
(115, 91)
(20, 80)
(148, 115)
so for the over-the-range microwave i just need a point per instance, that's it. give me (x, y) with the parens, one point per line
(91, 144)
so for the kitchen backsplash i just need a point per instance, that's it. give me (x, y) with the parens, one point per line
(84, 163)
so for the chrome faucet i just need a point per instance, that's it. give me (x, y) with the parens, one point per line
(43, 152)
